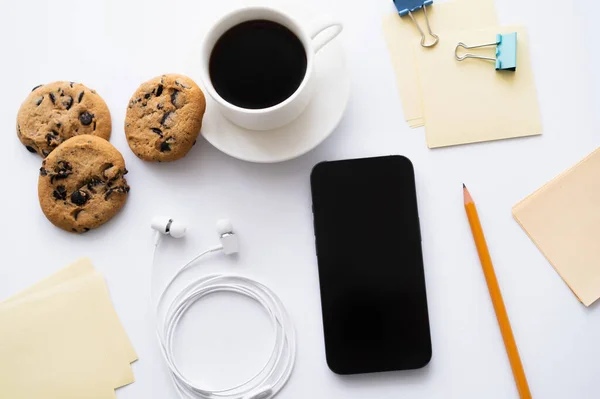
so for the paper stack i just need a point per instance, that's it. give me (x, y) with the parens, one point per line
(563, 219)
(61, 339)
(468, 101)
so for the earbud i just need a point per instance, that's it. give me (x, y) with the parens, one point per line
(167, 226)
(229, 240)
(176, 229)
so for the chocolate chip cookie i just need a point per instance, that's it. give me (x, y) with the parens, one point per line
(81, 184)
(56, 112)
(164, 118)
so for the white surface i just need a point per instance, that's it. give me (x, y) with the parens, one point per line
(113, 46)
(315, 124)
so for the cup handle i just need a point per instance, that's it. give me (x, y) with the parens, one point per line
(323, 33)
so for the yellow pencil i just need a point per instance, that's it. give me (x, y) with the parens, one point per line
(494, 288)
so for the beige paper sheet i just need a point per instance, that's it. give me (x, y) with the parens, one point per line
(401, 35)
(469, 101)
(48, 353)
(563, 220)
(81, 268)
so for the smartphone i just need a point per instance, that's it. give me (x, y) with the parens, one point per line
(370, 261)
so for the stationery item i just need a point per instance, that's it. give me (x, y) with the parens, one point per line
(61, 339)
(269, 381)
(408, 7)
(400, 36)
(470, 102)
(562, 218)
(496, 296)
(371, 272)
(311, 128)
(506, 52)
(226, 72)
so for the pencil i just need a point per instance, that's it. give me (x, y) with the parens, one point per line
(494, 288)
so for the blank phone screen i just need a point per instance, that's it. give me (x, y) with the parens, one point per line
(371, 275)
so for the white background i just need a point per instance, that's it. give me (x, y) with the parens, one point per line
(113, 46)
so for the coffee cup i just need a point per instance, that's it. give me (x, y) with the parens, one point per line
(272, 90)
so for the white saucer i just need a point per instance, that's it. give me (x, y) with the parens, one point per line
(317, 122)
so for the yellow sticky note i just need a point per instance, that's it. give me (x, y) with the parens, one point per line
(77, 269)
(401, 35)
(469, 101)
(62, 343)
(81, 268)
(563, 220)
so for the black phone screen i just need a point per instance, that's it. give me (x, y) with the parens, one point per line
(370, 261)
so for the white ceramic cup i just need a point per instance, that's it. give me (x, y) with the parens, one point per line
(313, 39)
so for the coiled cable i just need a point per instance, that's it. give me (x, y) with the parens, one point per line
(276, 371)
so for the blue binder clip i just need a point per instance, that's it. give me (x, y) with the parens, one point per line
(408, 7)
(506, 52)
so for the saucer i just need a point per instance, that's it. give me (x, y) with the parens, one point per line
(311, 128)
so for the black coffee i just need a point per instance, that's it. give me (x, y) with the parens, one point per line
(257, 64)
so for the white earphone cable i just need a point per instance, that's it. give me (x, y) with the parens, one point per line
(276, 371)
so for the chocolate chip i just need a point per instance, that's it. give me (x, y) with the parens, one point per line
(43, 171)
(50, 139)
(45, 153)
(147, 96)
(159, 106)
(39, 100)
(174, 97)
(52, 98)
(157, 131)
(86, 229)
(93, 183)
(58, 125)
(79, 197)
(125, 171)
(54, 132)
(76, 213)
(86, 118)
(94, 125)
(71, 84)
(109, 175)
(30, 149)
(165, 117)
(36, 87)
(182, 85)
(63, 165)
(159, 90)
(62, 92)
(120, 189)
(80, 97)
(68, 102)
(62, 170)
(60, 193)
(165, 146)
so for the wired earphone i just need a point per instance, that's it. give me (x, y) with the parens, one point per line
(276, 371)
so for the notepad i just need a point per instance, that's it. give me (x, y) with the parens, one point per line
(61, 339)
(563, 220)
(469, 101)
(401, 35)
